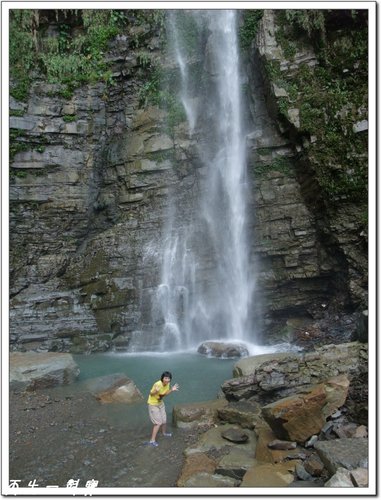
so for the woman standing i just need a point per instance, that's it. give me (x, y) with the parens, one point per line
(156, 407)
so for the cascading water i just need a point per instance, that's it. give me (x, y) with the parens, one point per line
(207, 282)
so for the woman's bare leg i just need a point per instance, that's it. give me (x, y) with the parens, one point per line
(155, 430)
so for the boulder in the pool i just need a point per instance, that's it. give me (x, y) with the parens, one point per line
(223, 349)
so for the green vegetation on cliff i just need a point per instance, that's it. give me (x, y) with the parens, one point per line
(330, 97)
(68, 46)
(249, 27)
(40, 43)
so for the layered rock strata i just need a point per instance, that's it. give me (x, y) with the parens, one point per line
(89, 193)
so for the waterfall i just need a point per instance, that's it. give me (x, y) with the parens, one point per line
(207, 282)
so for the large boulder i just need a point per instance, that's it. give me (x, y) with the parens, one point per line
(32, 370)
(270, 475)
(269, 377)
(236, 463)
(235, 435)
(341, 479)
(198, 462)
(265, 453)
(223, 349)
(207, 480)
(252, 364)
(190, 415)
(350, 453)
(244, 413)
(114, 388)
(359, 477)
(241, 388)
(298, 417)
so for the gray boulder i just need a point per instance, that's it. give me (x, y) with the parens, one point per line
(198, 462)
(32, 370)
(359, 477)
(278, 444)
(223, 349)
(114, 388)
(348, 453)
(189, 415)
(236, 463)
(314, 465)
(341, 479)
(207, 480)
(269, 377)
(245, 413)
(235, 435)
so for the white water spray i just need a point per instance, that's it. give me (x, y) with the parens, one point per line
(207, 282)
(183, 65)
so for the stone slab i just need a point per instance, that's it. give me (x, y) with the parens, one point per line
(213, 440)
(236, 463)
(32, 370)
(349, 453)
(199, 462)
(270, 475)
(206, 480)
(190, 415)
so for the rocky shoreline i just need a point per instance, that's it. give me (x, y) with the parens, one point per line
(55, 438)
(285, 420)
(294, 418)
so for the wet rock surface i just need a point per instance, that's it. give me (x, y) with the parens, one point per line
(223, 350)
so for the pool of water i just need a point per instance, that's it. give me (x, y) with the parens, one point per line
(199, 377)
(108, 442)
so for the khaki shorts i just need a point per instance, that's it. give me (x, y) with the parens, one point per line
(157, 414)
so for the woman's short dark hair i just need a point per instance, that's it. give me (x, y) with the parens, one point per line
(166, 374)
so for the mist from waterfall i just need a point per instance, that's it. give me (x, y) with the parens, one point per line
(207, 282)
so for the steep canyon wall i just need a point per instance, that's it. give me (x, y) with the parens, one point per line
(89, 194)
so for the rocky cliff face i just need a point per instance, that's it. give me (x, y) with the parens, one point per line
(89, 191)
(311, 219)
